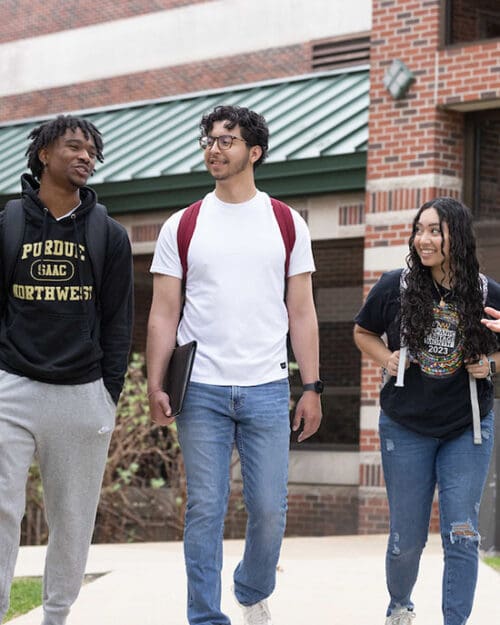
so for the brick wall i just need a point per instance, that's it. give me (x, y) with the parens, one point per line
(161, 83)
(373, 512)
(312, 511)
(414, 136)
(21, 19)
(386, 236)
(416, 152)
(469, 74)
(411, 136)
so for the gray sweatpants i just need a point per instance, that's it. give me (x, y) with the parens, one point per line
(68, 427)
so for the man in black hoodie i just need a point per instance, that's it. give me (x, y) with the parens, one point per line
(65, 332)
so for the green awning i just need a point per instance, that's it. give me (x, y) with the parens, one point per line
(319, 135)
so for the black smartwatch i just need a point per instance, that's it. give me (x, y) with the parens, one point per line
(493, 366)
(317, 387)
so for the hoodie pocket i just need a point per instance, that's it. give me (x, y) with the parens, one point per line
(54, 342)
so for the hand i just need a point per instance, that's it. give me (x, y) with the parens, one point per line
(308, 411)
(392, 364)
(492, 324)
(159, 407)
(480, 368)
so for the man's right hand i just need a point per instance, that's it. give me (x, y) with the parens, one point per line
(159, 407)
(492, 324)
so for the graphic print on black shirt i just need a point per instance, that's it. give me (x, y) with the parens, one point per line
(443, 352)
(47, 271)
(435, 398)
(49, 329)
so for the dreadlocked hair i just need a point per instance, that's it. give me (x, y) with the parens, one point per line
(418, 297)
(48, 132)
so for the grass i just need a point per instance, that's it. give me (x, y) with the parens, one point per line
(493, 561)
(25, 594)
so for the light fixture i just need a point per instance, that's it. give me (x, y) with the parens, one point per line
(397, 79)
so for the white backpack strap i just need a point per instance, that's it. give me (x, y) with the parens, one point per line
(476, 418)
(403, 349)
(484, 287)
(400, 380)
(474, 401)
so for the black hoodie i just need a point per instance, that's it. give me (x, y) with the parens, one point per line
(54, 328)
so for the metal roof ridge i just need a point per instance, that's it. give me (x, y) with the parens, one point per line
(191, 95)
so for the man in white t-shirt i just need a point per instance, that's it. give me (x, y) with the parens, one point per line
(236, 309)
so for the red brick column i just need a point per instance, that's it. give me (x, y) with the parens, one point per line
(415, 153)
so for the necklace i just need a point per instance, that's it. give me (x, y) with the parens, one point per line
(442, 295)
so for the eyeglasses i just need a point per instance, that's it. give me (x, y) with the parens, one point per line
(224, 141)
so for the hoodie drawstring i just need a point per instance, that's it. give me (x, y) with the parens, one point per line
(85, 303)
(44, 230)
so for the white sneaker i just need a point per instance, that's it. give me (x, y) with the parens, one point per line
(400, 616)
(256, 614)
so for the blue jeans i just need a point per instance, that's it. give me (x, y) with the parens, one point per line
(413, 466)
(213, 419)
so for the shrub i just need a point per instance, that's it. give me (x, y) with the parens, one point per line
(143, 491)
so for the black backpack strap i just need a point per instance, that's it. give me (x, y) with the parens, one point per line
(12, 237)
(96, 236)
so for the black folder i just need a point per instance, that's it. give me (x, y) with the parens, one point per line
(178, 374)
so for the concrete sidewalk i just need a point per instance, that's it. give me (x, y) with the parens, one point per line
(333, 581)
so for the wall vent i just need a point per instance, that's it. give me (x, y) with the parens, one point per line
(331, 53)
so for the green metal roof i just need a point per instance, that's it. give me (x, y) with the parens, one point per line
(318, 128)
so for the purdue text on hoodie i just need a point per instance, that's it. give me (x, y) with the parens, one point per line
(54, 327)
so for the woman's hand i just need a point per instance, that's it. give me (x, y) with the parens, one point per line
(392, 364)
(480, 368)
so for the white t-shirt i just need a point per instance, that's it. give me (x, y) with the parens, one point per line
(234, 304)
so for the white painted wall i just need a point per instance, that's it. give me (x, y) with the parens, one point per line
(307, 466)
(165, 38)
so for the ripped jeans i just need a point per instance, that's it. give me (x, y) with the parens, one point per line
(413, 465)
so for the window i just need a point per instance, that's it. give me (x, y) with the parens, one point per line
(471, 20)
(482, 169)
(338, 294)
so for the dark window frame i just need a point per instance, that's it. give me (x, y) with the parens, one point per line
(484, 17)
(472, 154)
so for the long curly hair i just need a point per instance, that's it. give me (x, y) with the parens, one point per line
(465, 283)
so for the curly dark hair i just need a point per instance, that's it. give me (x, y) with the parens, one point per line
(418, 298)
(253, 126)
(44, 135)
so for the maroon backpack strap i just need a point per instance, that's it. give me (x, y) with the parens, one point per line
(185, 231)
(284, 217)
(187, 225)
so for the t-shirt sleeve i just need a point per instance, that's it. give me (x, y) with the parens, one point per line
(301, 258)
(166, 256)
(493, 299)
(372, 315)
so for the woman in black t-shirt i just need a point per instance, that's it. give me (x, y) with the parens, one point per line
(436, 420)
